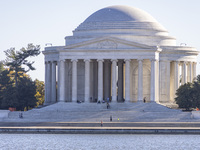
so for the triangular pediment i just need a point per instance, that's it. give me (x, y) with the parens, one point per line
(108, 43)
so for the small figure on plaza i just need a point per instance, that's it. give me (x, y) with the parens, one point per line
(108, 106)
(101, 123)
(20, 115)
(144, 99)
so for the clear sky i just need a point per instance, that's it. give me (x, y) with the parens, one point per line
(49, 21)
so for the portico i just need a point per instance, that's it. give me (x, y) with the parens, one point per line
(119, 88)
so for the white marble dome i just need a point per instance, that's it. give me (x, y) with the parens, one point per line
(120, 17)
(123, 22)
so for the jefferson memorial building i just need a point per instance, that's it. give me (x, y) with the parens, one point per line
(121, 53)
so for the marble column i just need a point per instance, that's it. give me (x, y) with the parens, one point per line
(157, 81)
(87, 80)
(127, 80)
(74, 80)
(120, 80)
(53, 82)
(194, 70)
(49, 82)
(107, 79)
(164, 81)
(62, 81)
(167, 79)
(46, 84)
(176, 76)
(140, 80)
(153, 89)
(189, 72)
(100, 79)
(114, 80)
(95, 81)
(184, 77)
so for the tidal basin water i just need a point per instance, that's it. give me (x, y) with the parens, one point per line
(98, 142)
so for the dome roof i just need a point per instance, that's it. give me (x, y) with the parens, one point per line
(120, 13)
(122, 22)
(120, 17)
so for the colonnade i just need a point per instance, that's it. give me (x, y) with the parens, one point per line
(112, 80)
(188, 70)
(182, 72)
(118, 91)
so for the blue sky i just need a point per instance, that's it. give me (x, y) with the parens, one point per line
(49, 21)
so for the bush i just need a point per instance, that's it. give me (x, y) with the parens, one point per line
(185, 96)
(188, 95)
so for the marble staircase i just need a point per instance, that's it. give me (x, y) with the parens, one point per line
(93, 112)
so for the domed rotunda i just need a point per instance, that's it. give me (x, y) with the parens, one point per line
(118, 54)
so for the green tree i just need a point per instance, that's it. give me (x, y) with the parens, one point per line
(26, 94)
(19, 98)
(185, 96)
(16, 88)
(196, 94)
(197, 79)
(16, 60)
(188, 95)
(39, 92)
(1, 67)
(7, 89)
(9, 97)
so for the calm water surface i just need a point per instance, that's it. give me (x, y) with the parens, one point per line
(98, 142)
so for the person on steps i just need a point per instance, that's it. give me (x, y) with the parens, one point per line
(144, 99)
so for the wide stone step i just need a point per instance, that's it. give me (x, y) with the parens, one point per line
(97, 124)
(92, 112)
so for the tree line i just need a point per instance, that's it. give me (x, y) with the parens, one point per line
(17, 89)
